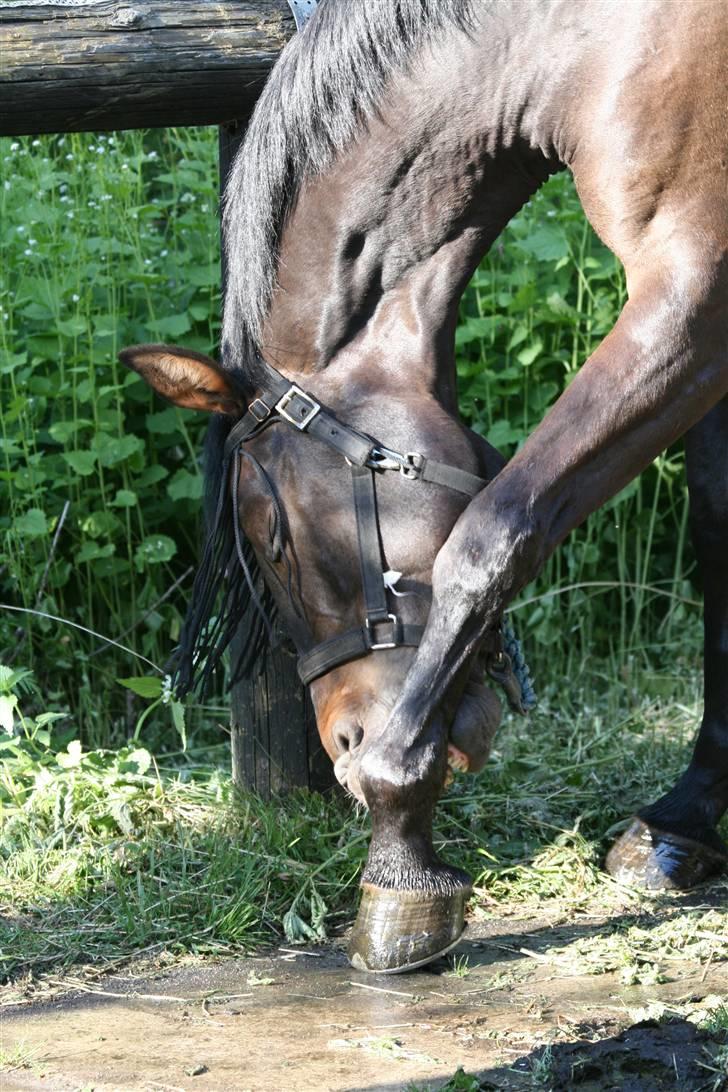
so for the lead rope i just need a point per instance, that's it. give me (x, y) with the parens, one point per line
(514, 651)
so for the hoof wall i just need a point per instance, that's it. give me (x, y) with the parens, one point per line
(397, 931)
(657, 860)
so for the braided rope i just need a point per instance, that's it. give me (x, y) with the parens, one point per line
(512, 647)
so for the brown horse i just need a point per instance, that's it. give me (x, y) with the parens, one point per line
(393, 142)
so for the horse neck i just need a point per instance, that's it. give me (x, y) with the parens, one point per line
(378, 249)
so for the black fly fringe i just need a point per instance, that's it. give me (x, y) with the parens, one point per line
(229, 598)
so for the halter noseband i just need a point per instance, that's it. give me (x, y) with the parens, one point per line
(284, 401)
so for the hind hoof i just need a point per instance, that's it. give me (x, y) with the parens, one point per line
(397, 931)
(657, 860)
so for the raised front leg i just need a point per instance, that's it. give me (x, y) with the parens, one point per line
(673, 843)
(658, 372)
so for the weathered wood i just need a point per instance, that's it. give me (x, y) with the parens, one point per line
(80, 65)
(275, 742)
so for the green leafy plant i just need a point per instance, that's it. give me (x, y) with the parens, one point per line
(100, 485)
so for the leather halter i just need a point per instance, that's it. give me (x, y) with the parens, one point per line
(283, 401)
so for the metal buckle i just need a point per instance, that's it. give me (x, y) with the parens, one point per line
(259, 409)
(371, 628)
(409, 465)
(412, 465)
(311, 407)
(383, 458)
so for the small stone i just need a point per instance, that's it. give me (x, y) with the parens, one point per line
(196, 1070)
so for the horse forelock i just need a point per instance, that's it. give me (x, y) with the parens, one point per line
(229, 601)
(326, 84)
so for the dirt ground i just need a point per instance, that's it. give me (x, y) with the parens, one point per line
(302, 1019)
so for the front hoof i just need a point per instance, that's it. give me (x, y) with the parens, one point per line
(397, 931)
(657, 860)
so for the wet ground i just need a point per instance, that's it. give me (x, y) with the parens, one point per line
(502, 1008)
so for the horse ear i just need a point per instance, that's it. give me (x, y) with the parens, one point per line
(185, 378)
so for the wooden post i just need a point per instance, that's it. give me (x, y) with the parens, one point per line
(275, 742)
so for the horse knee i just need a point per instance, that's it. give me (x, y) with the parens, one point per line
(497, 546)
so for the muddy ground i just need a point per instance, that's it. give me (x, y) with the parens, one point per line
(502, 1008)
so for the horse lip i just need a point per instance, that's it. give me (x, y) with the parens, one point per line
(347, 778)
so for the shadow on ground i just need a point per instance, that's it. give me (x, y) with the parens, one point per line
(646, 1057)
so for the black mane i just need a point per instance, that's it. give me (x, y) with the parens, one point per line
(327, 82)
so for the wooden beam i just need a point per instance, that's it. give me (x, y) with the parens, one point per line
(88, 65)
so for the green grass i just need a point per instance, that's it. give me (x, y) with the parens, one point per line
(110, 854)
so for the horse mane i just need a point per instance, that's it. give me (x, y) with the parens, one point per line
(229, 604)
(327, 82)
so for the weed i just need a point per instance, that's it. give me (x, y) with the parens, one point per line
(17, 1057)
(542, 1069)
(459, 966)
(99, 485)
(718, 1066)
(715, 1020)
(106, 853)
(459, 1082)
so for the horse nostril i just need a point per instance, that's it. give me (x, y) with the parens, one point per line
(347, 736)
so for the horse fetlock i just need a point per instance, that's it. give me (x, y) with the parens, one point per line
(694, 806)
(413, 904)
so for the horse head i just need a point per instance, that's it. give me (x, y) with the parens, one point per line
(346, 551)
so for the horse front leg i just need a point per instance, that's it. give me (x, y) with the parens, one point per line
(673, 843)
(658, 372)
